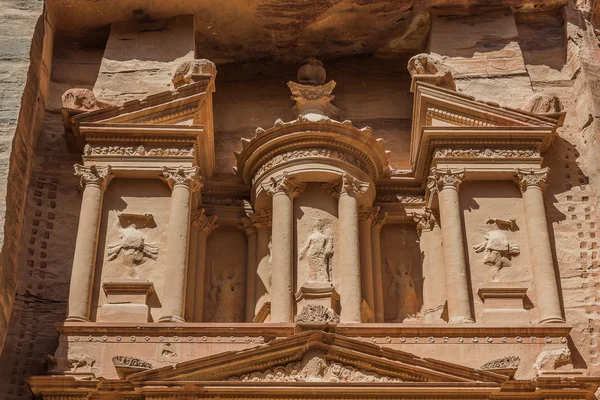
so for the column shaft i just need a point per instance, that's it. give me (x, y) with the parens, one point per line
(263, 269)
(190, 288)
(282, 296)
(366, 215)
(250, 270)
(377, 272)
(200, 276)
(84, 262)
(350, 293)
(544, 274)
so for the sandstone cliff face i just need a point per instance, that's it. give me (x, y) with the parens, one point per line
(500, 55)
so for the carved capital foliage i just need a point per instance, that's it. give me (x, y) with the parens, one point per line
(203, 222)
(247, 226)
(284, 184)
(527, 178)
(440, 179)
(348, 185)
(262, 219)
(94, 175)
(379, 220)
(317, 313)
(174, 176)
(425, 221)
(367, 214)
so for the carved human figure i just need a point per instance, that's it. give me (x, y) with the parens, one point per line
(225, 293)
(402, 288)
(498, 250)
(133, 247)
(318, 252)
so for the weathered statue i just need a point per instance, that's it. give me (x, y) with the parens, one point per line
(318, 251)
(133, 247)
(497, 249)
(225, 293)
(402, 287)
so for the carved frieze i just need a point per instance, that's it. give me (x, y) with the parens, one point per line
(226, 201)
(317, 313)
(313, 152)
(126, 365)
(491, 153)
(93, 149)
(401, 198)
(454, 117)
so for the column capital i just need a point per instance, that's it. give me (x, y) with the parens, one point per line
(348, 185)
(445, 178)
(379, 220)
(203, 222)
(527, 178)
(190, 177)
(262, 219)
(95, 175)
(367, 214)
(248, 226)
(284, 184)
(425, 220)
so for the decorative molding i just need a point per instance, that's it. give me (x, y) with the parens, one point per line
(509, 362)
(348, 185)
(455, 118)
(317, 313)
(126, 361)
(527, 178)
(228, 201)
(174, 176)
(488, 153)
(203, 222)
(402, 198)
(284, 184)
(312, 152)
(96, 175)
(137, 151)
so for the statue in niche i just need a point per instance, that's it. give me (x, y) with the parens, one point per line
(132, 247)
(318, 253)
(497, 249)
(402, 287)
(224, 292)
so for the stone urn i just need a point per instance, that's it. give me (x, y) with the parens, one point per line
(312, 72)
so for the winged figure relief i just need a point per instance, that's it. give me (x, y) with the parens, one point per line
(133, 247)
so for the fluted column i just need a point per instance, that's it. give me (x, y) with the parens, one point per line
(365, 216)
(283, 190)
(203, 225)
(446, 184)
(434, 273)
(376, 226)
(94, 182)
(348, 189)
(531, 182)
(182, 181)
(262, 222)
(250, 230)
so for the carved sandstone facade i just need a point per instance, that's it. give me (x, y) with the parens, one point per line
(245, 251)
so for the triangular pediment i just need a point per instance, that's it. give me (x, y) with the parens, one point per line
(315, 356)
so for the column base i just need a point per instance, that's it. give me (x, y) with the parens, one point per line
(552, 320)
(171, 318)
(75, 318)
(461, 320)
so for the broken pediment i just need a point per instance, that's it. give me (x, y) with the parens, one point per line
(315, 356)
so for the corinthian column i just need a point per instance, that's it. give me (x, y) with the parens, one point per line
(204, 225)
(376, 225)
(446, 184)
(182, 181)
(365, 216)
(250, 230)
(348, 189)
(531, 182)
(283, 190)
(94, 182)
(262, 291)
(434, 273)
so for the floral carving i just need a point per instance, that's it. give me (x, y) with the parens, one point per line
(182, 176)
(262, 218)
(126, 361)
(531, 178)
(440, 179)
(286, 184)
(486, 153)
(347, 184)
(400, 198)
(425, 221)
(203, 222)
(92, 174)
(137, 151)
(305, 153)
(510, 362)
(317, 313)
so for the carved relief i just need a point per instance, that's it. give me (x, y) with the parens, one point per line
(317, 313)
(92, 174)
(284, 184)
(425, 221)
(314, 368)
(440, 179)
(182, 176)
(553, 358)
(509, 362)
(193, 70)
(486, 153)
(399, 198)
(431, 64)
(204, 222)
(318, 253)
(225, 290)
(347, 184)
(531, 178)
(137, 151)
(497, 248)
(402, 288)
(133, 247)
